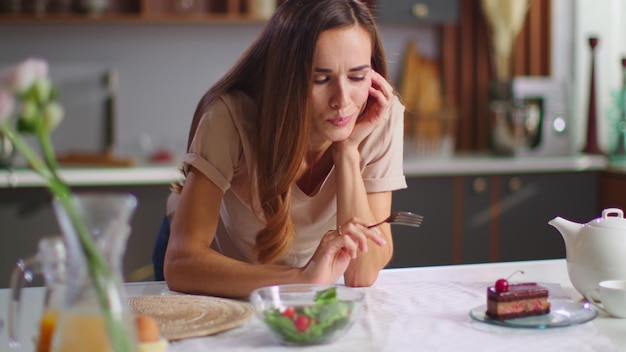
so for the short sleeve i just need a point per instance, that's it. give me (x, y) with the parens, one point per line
(216, 147)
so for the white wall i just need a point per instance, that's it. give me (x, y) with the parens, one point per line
(605, 19)
(164, 69)
(562, 39)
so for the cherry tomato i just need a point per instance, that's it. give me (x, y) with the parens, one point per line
(289, 312)
(302, 322)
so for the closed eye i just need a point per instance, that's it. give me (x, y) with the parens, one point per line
(357, 78)
(320, 79)
(323, 75)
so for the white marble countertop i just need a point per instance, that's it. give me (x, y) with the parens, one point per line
(414, 167)
(423, 308)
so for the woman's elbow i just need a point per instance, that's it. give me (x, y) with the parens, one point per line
(366, 276)
(173, 274)
(361, 280)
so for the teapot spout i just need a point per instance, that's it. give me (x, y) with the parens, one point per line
(568, 229)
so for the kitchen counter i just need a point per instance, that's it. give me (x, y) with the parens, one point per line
(485, 164)
(414, 167)
(94, 176)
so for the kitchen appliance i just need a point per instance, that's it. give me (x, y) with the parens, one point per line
(545, 106)
(105, 94)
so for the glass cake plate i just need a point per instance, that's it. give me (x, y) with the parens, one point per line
(562, 313)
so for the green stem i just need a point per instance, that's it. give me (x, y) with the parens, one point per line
(48, 151)
(35, 161)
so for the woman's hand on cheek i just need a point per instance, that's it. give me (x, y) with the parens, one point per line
(376, 110)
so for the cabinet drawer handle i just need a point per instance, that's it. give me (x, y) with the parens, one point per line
(479, 185)
(515, 184)
(420, 10)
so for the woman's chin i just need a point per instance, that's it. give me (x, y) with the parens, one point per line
(340, 136)
(335, 134)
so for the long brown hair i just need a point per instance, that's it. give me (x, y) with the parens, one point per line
(276, 73)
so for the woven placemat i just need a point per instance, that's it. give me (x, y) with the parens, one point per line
(186, 316)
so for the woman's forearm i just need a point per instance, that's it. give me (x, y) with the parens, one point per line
(208, 272)
(364, 270)
(354, 201)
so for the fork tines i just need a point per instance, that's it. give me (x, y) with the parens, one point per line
(407, 218)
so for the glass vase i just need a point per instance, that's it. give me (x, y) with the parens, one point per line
(506, 117)
(512, 128)
(95, 315)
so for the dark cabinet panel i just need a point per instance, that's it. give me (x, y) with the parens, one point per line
(527, 203)
(487, 218)
(477, 219)
(431, 243)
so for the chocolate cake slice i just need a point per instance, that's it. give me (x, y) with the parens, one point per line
(519, 300)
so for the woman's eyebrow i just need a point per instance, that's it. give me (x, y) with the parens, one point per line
(360, 68)
(354, 69)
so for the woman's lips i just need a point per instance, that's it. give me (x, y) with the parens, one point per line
(340, 121)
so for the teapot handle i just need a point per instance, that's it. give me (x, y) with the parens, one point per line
(24, 272)
(613, 211)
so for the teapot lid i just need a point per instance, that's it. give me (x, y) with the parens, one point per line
(612, 218)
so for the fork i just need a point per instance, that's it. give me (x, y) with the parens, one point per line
(402, 218)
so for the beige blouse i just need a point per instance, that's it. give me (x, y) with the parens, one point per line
(222, 151)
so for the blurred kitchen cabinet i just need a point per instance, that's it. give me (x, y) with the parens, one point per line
(528, 202)
(476, 216)
(429, 244)
(417, 11)
(26, 216)
(490, 218)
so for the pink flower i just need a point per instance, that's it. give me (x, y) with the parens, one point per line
(7, 103)
(21, 77)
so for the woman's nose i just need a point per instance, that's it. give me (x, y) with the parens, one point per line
(339, 98)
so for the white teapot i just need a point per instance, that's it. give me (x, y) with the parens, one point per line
(595, 251)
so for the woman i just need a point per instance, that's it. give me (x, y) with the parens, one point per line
(290, 156)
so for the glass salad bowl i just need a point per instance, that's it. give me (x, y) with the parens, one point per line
(303, 314)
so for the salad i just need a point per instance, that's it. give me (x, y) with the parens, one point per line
(311, 324)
